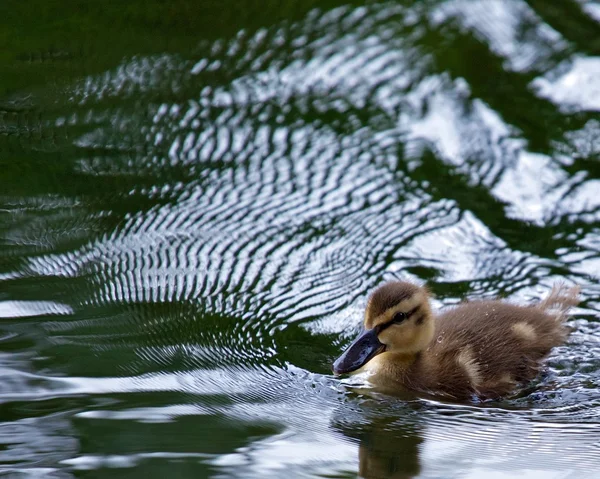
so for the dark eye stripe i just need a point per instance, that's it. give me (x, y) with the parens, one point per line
(408, 315)
(413, 311)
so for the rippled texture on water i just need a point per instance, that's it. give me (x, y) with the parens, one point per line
(197, 198)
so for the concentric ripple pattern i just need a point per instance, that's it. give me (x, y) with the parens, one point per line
(190, 227)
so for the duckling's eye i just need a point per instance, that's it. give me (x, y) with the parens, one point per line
(399, 317)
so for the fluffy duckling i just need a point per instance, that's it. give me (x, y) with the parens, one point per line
(482, 349)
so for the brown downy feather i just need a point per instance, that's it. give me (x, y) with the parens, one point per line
(560, 300)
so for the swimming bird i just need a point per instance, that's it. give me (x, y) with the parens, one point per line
(479, 349)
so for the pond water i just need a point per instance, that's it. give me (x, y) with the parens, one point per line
(197, 197)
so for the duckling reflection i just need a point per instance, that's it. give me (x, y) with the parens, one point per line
(385, 455)
(479, 349)
(389, 437)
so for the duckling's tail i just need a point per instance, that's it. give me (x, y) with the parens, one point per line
(560, 300)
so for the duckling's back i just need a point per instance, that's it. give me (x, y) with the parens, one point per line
(487, 348)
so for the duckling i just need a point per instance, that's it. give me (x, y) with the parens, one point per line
(479, 349)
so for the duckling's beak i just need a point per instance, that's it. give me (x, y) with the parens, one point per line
(362, 349)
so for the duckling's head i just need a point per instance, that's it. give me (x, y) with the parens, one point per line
(398, 321)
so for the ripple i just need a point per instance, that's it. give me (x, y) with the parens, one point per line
(24, 309)
(213, 220)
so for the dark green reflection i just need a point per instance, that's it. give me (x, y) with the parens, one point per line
(197, 197)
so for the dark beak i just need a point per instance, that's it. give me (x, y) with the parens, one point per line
(362, 349)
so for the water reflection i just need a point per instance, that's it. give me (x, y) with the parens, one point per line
(190, 228)
(389, 440)
(435, 440)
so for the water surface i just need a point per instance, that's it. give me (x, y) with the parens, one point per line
(196, 199)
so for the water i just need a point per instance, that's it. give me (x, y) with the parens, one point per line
(197, 199)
